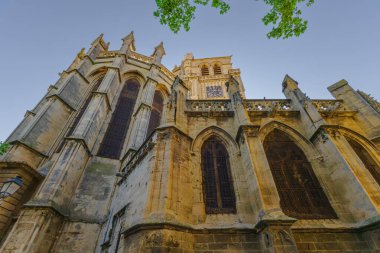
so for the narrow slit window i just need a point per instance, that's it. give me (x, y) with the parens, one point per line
(366, 158)
(156, 113)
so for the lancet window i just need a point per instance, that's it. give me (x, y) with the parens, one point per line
(366, 158)
(113, 139)
(218, 190)
(301, 195)
(156, 113)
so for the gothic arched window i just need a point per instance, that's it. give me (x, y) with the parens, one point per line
(301, 195)
(113, 139)
(217, 70)
(156, 113)
(218, 190)
(204, 70)
(366, 158)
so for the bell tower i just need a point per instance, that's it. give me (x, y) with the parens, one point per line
(206, 77)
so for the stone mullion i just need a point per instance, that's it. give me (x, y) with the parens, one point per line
(273, 224)
(267, 187)
(357, 168)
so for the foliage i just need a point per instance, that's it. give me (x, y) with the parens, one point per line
(284, 15)
(3, 147)
(178, 13)
(290, 24)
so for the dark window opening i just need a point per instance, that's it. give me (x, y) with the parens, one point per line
(217, 70)
(156, 113)
(205, 71)
(366, 158)
(301, 195)
(113, 139)
(218, 190)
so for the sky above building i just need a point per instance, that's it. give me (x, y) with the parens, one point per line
(40, 38)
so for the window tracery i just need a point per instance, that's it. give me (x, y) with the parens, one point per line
(113, 139)
(301, 195)
(218, 191)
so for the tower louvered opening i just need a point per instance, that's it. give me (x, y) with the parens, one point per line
(205, 70)
(217, 70)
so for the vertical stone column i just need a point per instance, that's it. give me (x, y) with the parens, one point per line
(59, 186)
(368, 112)
(142, 115)
(309, 115)
(266, 187)
(347, 176)
(176, 106)
(41, 130)
(335, 173)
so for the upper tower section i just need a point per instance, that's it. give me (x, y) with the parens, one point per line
(206, 77)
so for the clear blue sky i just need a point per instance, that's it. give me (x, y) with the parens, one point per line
(40, 38)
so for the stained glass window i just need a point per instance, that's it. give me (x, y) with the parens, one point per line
(155, 115)
(113, 139)
(218, 188)
(301, 195)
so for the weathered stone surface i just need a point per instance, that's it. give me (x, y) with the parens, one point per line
(153, 197)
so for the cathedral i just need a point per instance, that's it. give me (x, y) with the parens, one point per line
(123, 155)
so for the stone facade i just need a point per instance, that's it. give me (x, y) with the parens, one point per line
(123, 155)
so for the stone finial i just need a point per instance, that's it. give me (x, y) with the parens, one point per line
(81, 53)
(159, 52)
(99, 40)
(128, 43)
(189, 56)
(289, 83)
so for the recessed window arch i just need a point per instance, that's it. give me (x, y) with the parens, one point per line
(301, 195)
(217, 69)
(113, 139)
(156, 113)
(205, 70)
(218, 190)
(371, 165)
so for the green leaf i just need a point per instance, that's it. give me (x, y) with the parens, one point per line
(3, 147)
(285, 15)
